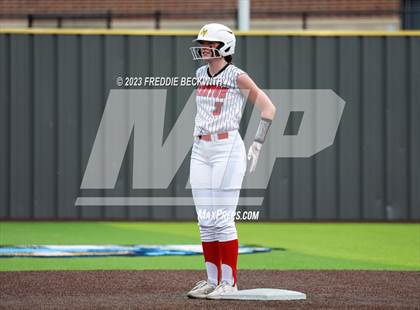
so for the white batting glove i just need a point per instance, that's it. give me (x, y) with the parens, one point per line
(253, 153)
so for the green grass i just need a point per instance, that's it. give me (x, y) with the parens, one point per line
(299, 245)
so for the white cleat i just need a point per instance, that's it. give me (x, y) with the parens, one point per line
(201, 289)
(222, 289)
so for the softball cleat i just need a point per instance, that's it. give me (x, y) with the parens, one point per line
(201, 289)
(222, 289)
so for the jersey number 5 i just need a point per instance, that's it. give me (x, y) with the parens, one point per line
(217, 108)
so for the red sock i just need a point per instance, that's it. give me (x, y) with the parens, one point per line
(212, 255)
(229, 256)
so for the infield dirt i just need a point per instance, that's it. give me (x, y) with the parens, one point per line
(157, 289)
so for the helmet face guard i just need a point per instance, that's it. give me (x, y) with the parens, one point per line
(197, 54)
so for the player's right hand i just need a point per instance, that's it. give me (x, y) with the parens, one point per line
(253, 153)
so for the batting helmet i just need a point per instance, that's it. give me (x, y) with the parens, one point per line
(215, 33)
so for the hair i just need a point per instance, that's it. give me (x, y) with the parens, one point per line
(228, 58)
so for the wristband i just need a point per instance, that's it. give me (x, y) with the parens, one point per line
(262, 130)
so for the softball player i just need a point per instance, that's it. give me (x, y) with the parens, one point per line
(218, 159)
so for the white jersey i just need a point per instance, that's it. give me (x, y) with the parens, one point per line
(219, 101)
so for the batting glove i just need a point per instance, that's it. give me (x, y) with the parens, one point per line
(253, 153)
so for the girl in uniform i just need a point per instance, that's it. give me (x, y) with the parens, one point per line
(218, 158)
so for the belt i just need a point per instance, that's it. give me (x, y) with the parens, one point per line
(210, 137)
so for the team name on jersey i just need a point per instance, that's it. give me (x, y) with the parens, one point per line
(212, 91)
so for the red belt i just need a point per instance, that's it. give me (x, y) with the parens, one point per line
(220, 136)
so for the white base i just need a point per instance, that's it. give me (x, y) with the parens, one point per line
(265, 294)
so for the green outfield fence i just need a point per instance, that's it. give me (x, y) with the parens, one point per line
(54, 84)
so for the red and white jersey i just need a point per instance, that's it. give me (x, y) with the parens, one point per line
(219, 100)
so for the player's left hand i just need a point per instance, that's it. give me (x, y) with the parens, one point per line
(253, 153)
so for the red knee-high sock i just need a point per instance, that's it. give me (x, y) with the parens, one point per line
(211, 253)
(229, 256)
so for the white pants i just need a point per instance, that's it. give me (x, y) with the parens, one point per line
(216, 172)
